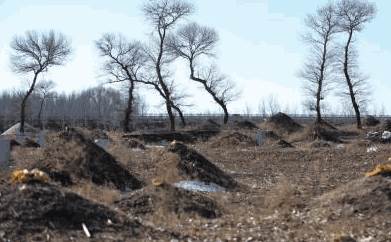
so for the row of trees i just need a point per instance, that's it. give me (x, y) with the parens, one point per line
(334, 58)
(99, 105)
(134, 63)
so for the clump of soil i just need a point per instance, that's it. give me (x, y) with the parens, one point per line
(191, 165)
(72, 155)
(284, 144)
(323, 131)
(233, 139)
(364, 198)
(134, 144)
(37, 208)
(29, 143)
(167, 198)
(371, 121)
(387, 125)
(245, 125)
(210, 124)
(282, 123)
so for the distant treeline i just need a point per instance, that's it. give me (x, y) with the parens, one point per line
(95, 107)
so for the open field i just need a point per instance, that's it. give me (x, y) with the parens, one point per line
(312, 191)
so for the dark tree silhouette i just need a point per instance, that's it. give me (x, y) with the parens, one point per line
(45, 91)
(164, 15)
(193, 42)
(35, 53)
(322, 28)
(124, 62)
(352, 16)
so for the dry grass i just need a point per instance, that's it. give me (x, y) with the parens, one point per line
(101, 194)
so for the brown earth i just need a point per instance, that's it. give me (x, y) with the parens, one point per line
(70, 157)
(167, 198)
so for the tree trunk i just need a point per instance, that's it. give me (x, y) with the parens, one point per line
(180, 113)
(24, 103)
(349, 82)
(129, 109)
(219, 101)
(170, 115)
(167, 93)
(40, 113)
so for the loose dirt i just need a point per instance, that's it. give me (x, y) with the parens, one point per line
(71, 155)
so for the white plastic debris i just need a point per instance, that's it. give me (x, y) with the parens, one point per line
(372, 149)
(5, 152)
(85, 229)
(199, 186)
(386, 135)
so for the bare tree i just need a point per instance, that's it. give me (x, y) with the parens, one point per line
(164, 15)
(35, 53)
(193, 42)
(45, 92)
(322, 27)
(352, 16)
(124, 62)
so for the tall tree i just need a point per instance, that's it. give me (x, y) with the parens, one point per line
(35, 53)
(192, 42)
(352, 16)
(45, 91)
(322, 28)
(164, 15)
(124, 63)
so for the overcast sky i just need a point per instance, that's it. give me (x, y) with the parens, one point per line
(260, 46)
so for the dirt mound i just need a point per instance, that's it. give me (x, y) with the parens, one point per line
(169, 199)
(245, 125)
(29, 143)
(233, 139)
(72, 155)
(210, 124)
(37, 208)
(371, 121)
(387, 125)
(189, 136)
(323, 131)
(284, 144)
(191, 165)
(134, 144)
(283, 123)
(365, 198)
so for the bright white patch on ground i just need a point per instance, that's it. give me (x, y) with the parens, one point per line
(199, 186)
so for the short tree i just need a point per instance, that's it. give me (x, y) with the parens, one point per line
(317, 71)
(124, 63)
(44, 90)
(193, 42)
(34, 53)
(164, 15)
(352, 16)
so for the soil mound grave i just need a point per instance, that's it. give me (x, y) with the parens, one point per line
(245, 124)
(134, 144)
(189, 136)
(387, 125)
(322, 131)
(367, 198)
(210, 124)
(72, 155)
(233, 139)
(37, 208)
(283, 144)
(283, 123)
(371, 121)
(167, 198)
(188, 164)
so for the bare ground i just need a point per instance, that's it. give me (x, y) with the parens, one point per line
(304, 193)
